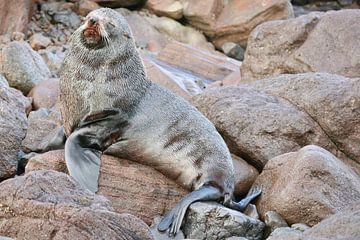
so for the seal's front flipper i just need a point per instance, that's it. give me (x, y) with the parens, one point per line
(82, 155)
(57, 142)
(240, 206)
(176, 215)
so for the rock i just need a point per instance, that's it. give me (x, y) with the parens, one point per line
(39, 41)
(43, 123)
(117, 3)
(143, 31)
(287, 233)
(18, 36)
(232, 21)
(312, 43)
(233, 50)
(22, 66)
(245, 175)
(15, 15)
(176, 31)
(213, 221)
(67, 18)
(163, 235)
(331, 100)
(50, 205)
(215, 68)
(251, 211)
(45, 94)
(177, 80)
(83, 7)
(257, 126)
(307, 186)
(273, 220)
(169, 8)
(131, 187)
(53, 57)
(300, 226)
(13, 128)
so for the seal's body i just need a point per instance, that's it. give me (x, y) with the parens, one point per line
(108, 105)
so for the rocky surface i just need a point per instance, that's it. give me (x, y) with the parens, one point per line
(45, 94)
(214, 221)
(22, 66)
(168, 8)
(13, 128)
(307, 186)
(50, 205)
(316, 42)
(15, 15)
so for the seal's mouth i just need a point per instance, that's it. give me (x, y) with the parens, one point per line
(92, 32)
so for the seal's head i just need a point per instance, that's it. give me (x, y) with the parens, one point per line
(103, 28)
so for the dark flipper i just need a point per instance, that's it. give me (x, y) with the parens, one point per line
(176, 215)
(240, 206)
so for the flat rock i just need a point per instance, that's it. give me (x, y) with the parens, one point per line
(257, 126)
(316, 42)
(168, 8)
(332, 101)
(307, 186)
(15, 15)
(232, 21)
(50, 205)
(22, 66)
(45, 94)
(206, 64)
(13, 128)
(214, 221)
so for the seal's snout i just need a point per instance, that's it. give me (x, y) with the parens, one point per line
(92, 31)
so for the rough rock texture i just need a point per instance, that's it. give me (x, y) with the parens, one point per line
(22, 66)
(43, 123)
(168, 8)
(332, 101)
(14, 15)
(307, 186)
(214, 68)
(39, 41)
(13, 126)
(214, 221)
(257, 126)
(53, 57)
(245, 175)
(232, 21)
(83, 7)
(50, 205)
(45, 94)
(131, 187)
(315, 42)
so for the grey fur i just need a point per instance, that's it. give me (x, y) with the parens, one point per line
(105, 92)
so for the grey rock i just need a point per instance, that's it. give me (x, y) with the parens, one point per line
(53, 57)
(287, 233)
(43, 124)
(13, 126)
(213, 221)
(163, 235)
(273, 220)
(300, 226)
(39, 41)
(251, 211)
(22, 66)
(233, 50)
(68, 18)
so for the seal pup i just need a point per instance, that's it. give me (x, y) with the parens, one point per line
(110, 106)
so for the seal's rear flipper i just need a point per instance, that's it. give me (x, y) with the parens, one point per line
(240, 206)
(83, 158)
(176, 215)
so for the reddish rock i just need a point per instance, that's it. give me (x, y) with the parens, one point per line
(45, 94)
(307, 186)
(13, 126)
(208, 65)
(83, 7)
(39, 41)
(315, 42)
(168, 8)
(232, 21)
(245, 175)
(50, 205)
(15, 15)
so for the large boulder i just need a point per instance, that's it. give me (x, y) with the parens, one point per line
(307, 186)
(15, 15)
(332, 101)
(232, 21)
(316, 42)
(45, 94)
(22, 66)
(13, 128)
(168, 8)
(257, 126)
(50, 205)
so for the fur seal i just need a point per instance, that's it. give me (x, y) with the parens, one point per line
(110, 106)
